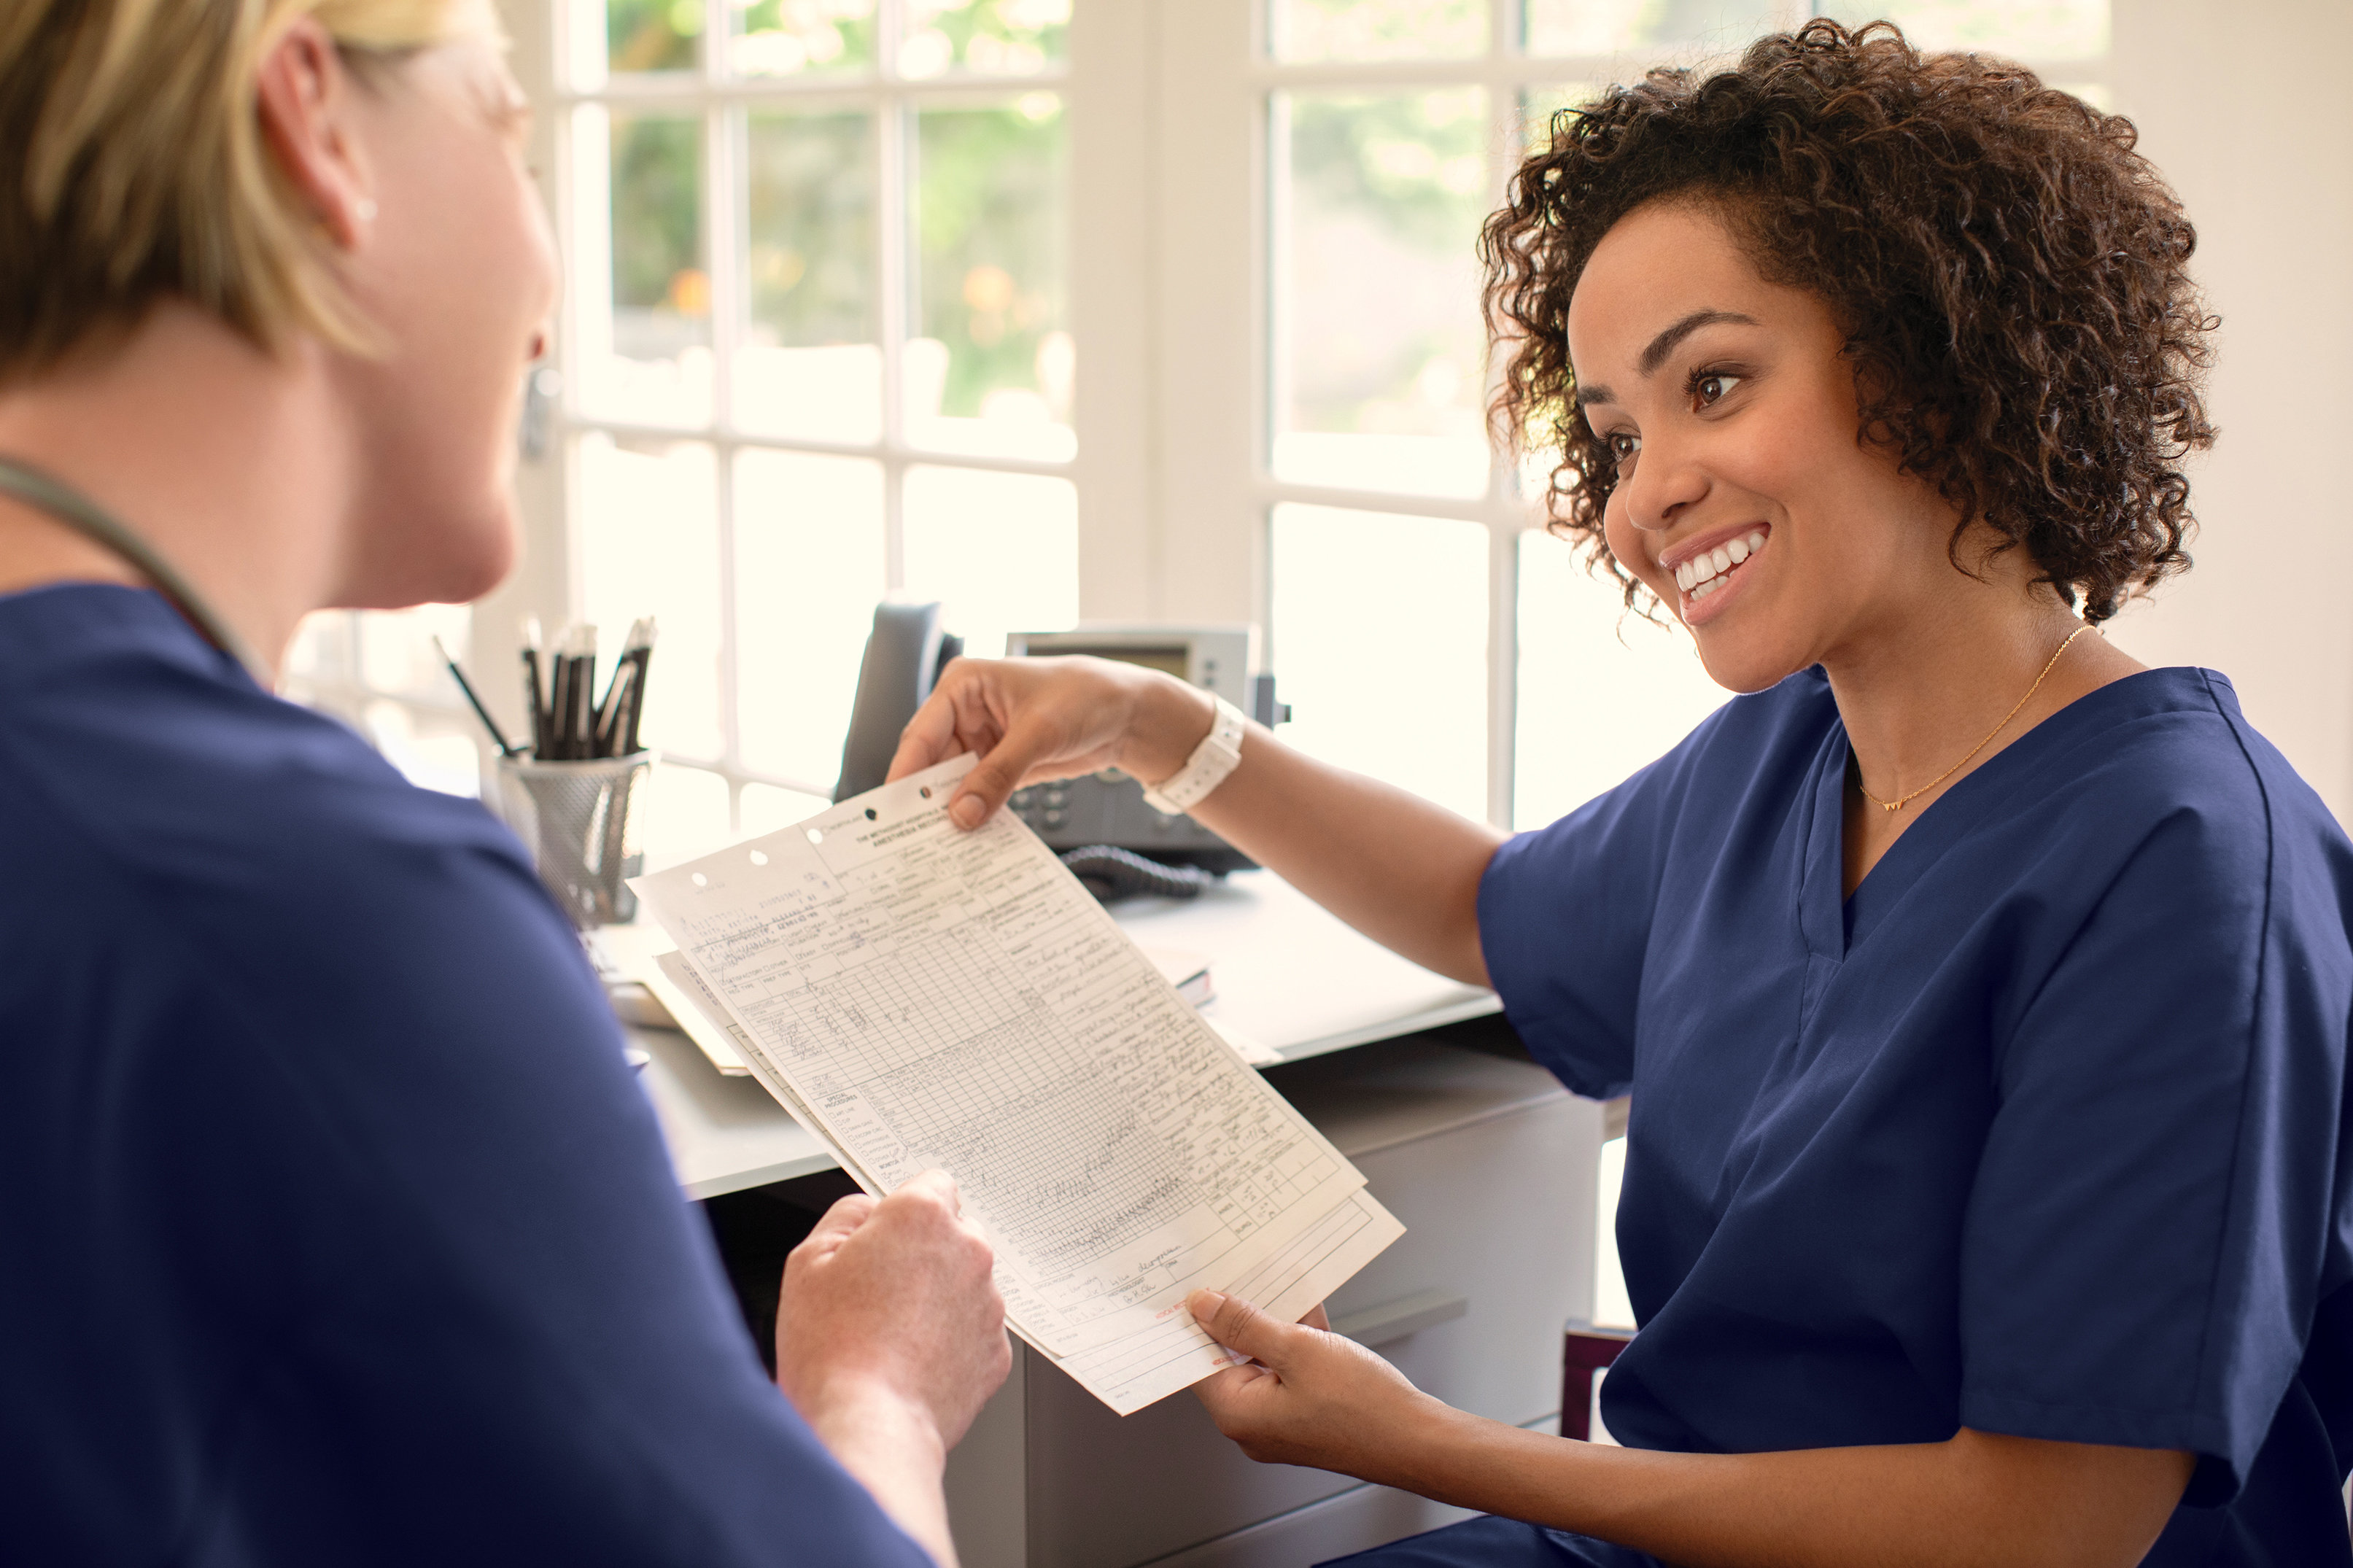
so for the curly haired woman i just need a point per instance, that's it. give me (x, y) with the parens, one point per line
(1984, 993)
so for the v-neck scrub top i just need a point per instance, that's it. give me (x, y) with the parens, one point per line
(2038, 1133)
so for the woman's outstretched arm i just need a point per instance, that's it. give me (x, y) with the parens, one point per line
(1978, 1499)
(1403, 872)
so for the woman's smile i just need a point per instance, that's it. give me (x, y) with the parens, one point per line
(1705, 566)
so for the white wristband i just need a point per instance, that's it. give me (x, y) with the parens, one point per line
(1219, 752)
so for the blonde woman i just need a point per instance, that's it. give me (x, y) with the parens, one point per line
(336, 1230)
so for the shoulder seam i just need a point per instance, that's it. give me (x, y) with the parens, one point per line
(2255, 1000)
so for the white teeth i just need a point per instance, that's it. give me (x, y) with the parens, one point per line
(1704, 575)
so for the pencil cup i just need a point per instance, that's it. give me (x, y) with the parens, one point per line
(581, 821)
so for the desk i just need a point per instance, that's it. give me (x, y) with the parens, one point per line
(1287, 974)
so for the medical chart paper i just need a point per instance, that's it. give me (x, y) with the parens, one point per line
(930, 997)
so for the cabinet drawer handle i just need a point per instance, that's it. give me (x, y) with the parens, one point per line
(1378, 1326)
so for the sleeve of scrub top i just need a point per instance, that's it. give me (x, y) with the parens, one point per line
(1564, 919)
(2157, 1177)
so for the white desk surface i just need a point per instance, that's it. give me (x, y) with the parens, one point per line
(1286, 974)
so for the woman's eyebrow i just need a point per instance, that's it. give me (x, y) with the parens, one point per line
(1665, 343)
(1662, 345)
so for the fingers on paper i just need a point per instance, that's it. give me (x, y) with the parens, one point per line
(1029, 741)
(1239, 1326)
(840, 1222)
(930, 736)
(936, 1211)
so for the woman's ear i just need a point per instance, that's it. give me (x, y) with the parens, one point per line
(306, 110)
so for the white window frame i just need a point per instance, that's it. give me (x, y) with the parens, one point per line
(552, 583)
(1170, 304)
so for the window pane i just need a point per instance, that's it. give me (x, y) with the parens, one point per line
(433, 751)
(1605, 27)
(2038, 30)
(1380, 639)
(652, 35)
(650, 360)
(1601, 692)
(988, 38)
(801, 37)
(396, 650)
(1001, 550)
(323, 653)
(1380, 346)
(991, 368)
(808, 571)
(1377, 29)
(764, 809)
(649, 546)
(808, 361)
(686, 814)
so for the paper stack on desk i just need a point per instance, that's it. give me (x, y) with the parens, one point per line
(922, 996)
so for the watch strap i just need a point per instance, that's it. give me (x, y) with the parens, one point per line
(1219, 752)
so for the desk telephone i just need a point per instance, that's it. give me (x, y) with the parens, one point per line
(1107, 835)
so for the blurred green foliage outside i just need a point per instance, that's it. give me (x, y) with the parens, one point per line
(1415, 164)
(992, 239)
(812, 228)
(652, 35)
(657, 215)
(1377, 29)
(994, 37)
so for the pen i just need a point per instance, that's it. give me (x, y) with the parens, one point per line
(505, 750)
(559, 696)
(625, 677)
(583, 718)
(534, 698)
(639, 651)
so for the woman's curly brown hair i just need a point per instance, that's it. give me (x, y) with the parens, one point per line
(2010, 273)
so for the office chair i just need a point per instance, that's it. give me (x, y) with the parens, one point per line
(904, 655)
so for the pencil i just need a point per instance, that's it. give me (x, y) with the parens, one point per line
(505, 750)
(534, 700)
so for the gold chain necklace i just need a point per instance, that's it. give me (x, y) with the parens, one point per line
(1899, 802)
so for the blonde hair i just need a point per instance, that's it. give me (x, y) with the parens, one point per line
(142, 173)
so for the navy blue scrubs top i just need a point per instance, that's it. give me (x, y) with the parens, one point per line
(333, 1228)
(2038, 1133)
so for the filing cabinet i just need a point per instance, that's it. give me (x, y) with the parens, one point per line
(1492, 1167)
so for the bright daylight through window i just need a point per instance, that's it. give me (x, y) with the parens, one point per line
(818, 347)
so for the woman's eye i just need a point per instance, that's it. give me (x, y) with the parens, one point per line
(1708, 389)
(1622, 447)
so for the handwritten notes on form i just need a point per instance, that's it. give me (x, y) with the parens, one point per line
(922, 996)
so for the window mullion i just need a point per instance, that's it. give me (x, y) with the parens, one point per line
(893, 296)
(727, 200)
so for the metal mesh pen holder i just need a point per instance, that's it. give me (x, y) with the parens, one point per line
(581, 821)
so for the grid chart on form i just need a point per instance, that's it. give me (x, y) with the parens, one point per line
(924, 1029)
(1014, 1108)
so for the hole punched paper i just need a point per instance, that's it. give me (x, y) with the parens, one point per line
(918, 996)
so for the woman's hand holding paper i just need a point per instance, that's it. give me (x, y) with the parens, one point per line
(1030, 720)
(1314, 1397)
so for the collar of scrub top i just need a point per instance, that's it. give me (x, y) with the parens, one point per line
(84, 516)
